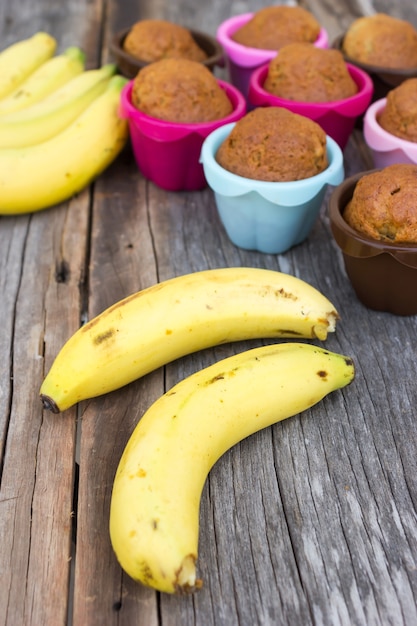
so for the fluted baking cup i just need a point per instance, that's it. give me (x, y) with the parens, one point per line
(383, 78)
(386, 149)
(383, 274)
(337, 118)
(168, 153)
(269, 217)
(241, 60)
(129, 65)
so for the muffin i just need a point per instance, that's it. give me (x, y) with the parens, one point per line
(272, 27)
(152, 40)
(274, 144)
(399, 116)
(384, 204)
(302, 72)
(179, 90)
(383, 41)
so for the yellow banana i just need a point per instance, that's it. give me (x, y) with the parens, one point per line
(176, 317)
(43, 120)
(154, 512)
(51, 75)
(40, 176)
(20, 59)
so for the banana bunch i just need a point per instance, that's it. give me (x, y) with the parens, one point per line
(177, 317)
(51, 75)
(59, 123)
(154, 511)
(21, 59)
(47, 118)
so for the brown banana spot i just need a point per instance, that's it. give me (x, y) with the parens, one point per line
(286, 294)
(102, 337)
(146, 574)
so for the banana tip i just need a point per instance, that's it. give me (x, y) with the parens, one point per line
(186, 581)
(49, 404)
(326, 326)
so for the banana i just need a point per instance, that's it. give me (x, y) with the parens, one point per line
(154, 510)
(51, 75)
(177, 317)
(20, 59)
(50, 116)
(43, 175)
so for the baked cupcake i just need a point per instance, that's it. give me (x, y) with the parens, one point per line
(152, 40)
(302, 72)
(273, 27)
(399, 116)
(384, 204)
(274, 144)
(381, 40)
(179, 90)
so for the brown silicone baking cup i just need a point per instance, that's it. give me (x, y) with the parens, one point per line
(384, 78)
(383, 275)
(129, 66)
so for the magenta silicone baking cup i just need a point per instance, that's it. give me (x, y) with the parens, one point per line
(168, 153)
(241, 60)
(337, 118)
(385, 148)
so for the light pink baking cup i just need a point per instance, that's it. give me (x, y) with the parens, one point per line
(337, 118)
(168, 153)
(386, 149)
(241, 60)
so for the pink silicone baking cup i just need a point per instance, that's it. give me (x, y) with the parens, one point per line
(168, 153)
(337, 118)
(386, 148)
(242, 60)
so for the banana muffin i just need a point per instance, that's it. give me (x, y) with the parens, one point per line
(272, 27)
(302, 72)
(151, 40)
(384, 204)
(179, 90)
(382, 41)
(274, 144)
(399, 116)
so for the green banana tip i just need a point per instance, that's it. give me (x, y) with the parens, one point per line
(117, 82)
(76, 53)
(109, 68)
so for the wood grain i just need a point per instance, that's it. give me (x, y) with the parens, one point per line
(312, 521)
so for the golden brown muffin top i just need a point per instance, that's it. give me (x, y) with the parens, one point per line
(302, 72)
(179, 90)
(382, 40)
(274, 144)
(272, 27)
(384, 204)
(399, 116)
(151, 40)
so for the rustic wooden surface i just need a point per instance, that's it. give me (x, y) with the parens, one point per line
(312, 521)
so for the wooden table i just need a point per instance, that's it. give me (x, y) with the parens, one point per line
(312, 521)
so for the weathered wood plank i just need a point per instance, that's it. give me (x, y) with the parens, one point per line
(42, 271)
(37, 465)
(312, 521)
